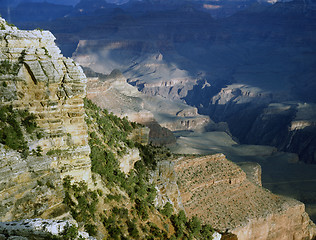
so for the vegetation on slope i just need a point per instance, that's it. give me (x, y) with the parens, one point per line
(125, 208)
(15, 127)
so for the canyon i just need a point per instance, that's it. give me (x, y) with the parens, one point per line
(251, 73)
(233, 70)
(54, 168)
(250, 215)
(218, 85)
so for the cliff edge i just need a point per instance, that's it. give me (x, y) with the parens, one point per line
(36, 78)
(218, 191)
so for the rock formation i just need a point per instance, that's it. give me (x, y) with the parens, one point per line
(114, 93)
(52, 88)
(38, 229)
(165, 180)
(219, 192)
(230, 69)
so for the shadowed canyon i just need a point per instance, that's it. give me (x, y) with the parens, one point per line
(237, 81)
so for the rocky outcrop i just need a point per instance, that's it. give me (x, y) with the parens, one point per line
(159, 135)
(253, 171)
(127, 161)
(165, 180)
(52, 88)
(38, 229)
(219, 192)
(29, 187)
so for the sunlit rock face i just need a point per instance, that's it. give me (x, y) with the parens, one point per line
(165, 180)
(52, 88)
(219, 192)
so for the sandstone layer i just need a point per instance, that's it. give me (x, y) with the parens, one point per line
(219, 192)
(52, 88)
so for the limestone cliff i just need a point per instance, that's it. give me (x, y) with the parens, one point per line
(39, 79)
(219, 192)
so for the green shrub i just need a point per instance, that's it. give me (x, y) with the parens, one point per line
(207, 232)
(39, 151)
(12, 125)
(22, 56)
(55, 152)
(179, 222)
(142, 208)
(91, 229)
(194, 225)
(132, 229)
(116, 197)
(120, 212)
(71, 233)
(155, 231)
(85, 208)
(167, 210)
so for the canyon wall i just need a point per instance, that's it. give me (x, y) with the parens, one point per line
(52, 88)
(161, 115)
(219, 192)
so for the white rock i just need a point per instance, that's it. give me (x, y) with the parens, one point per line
(17, 238)
(217, 236)
(43, 229)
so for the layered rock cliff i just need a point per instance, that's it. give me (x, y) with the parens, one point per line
(160, 115)
(52, 88)
(37, 80)
(219, 192)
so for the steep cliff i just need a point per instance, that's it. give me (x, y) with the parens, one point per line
(219, 192)
(60, 140)
(35, 77)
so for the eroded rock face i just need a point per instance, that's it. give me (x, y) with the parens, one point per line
(253, 171)
(29, 187)
(37, 229)
(165, 180)
(52, 88)
(112, 92)
(295, 124)
(219, 192)
(128, 160)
